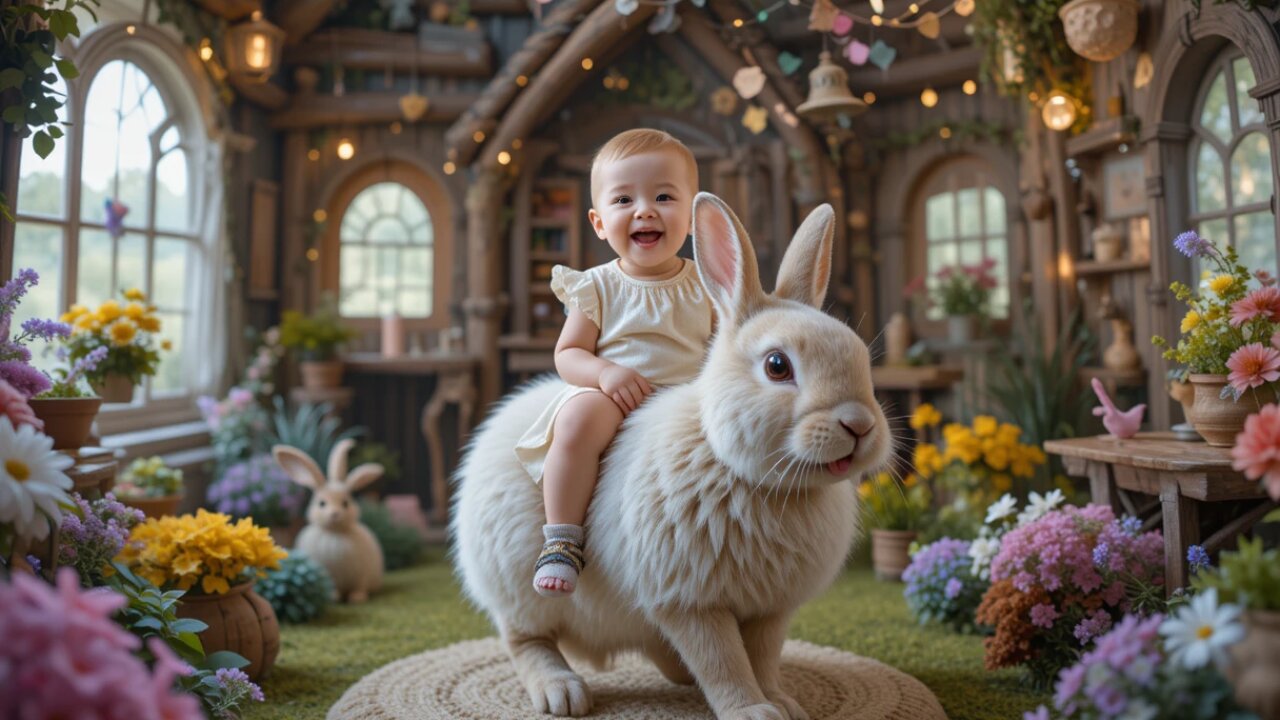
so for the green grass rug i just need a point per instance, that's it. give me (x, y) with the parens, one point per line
(422, 608)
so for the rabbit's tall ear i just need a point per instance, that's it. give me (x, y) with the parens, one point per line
(338, 459)
(806, 267)
(300, 467)
(363, 475)
(725, 259)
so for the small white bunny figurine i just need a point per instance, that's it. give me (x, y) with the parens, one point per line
(334, 536)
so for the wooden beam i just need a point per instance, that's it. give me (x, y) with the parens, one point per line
(230, 10)
(298, 18)
(494, 7)
(602, 31)
(765, 52)
(363, 109)
(910, 76)
(265, 95)
(468, 56)
(497, 95)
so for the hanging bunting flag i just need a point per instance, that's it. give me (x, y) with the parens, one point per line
(929, 25)
(116, 211)
(665, 21)
(1145, 70)
(755, 119)
(877, 6)
(857, 52)
(626, 7)
(882, 55)
(724, 101)
(822, 17)
(842, 24)
(413, 106)
(748, 81)
(789, 63)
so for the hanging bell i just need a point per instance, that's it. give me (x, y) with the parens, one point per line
(829, 95)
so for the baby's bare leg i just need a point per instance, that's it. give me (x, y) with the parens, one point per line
(584, 427)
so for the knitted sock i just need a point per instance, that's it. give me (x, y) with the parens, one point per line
(561, 559)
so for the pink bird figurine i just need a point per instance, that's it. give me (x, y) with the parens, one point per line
(1120, 423)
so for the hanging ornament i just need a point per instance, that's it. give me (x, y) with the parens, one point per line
(964, 8)
(857, 52)
(748, 81)
(789, 63)
(626, 7)
(699, 3)
(929, 25)
(822, 17)
(755, 119)
(440, 11)
(724, 101)
(665, 21)
(399, 13)
(877, 6)
(1145, 70)
(882, 55)
(829, 94)
(413, 106)
(116, 211)
(842, 25)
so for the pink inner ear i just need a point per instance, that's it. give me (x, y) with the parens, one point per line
(721, 260)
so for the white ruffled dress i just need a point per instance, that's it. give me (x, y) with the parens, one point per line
(659, 328)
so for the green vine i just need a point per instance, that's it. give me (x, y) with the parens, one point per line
(28, 58)
(648, 81)
(957, 130)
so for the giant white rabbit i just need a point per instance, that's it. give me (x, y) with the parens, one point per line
(723, 504)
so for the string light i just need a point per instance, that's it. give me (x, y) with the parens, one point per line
(587, 64)
(346, 149)
(517, 144)
(450, 168)
(478, 136)
(131, 29)
(522, 80)
(914, 8)
(869, 97)
(206, 50)
(737, 22)
(970, 87)
(313, 254)
(396, 128)
(928, 97)
(877, 20)
(320, 215)
(945, 132)
(313, 154)
(504, 158)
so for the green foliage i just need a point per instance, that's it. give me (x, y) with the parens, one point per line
(1248, 576)
(299, 591)
(648, 80)
(401, 546)
(65, 386)
(316, 336)
(375, 452)
(1208, 337)
(150, 477)
(888, 504)
(312, 429)
(959, 130)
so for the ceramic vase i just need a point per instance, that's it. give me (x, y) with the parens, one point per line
(1217, 420)
(114, 388)
(1108, 243)
(154, 507)
(889, 554)
(1100, 30)
(897, 338)
(962, 329)
(1121, 354)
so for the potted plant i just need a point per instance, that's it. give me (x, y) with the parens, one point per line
(259, 489)
(66, 407)
(150, 486)
(317, 338)
(129, 332)
(894, 513)
(191, 553)
(962, 293)
(1226, 349)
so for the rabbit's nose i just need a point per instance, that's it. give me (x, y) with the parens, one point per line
(857, 430)
(856, 420)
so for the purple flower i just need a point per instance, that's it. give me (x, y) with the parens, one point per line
(1043, 615)
(1197, 558)
(1192, 245)
(24, 378)
(1131, 525)
(1101, 554)
(37, 329)
(954, 586)
(1040, 713)
(1091, 627)
(234, 681)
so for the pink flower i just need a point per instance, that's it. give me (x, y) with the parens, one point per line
(1263, 302)
(1275, 339)
(1257, 449)
(1043, 615)
(1264, 277)
(13, 405)
(913, 287)
(1253, 365)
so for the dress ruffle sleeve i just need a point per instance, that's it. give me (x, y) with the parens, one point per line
(576, 289)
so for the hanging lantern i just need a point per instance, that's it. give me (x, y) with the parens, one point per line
(829, 94)
(253, 49)
(1059, 112)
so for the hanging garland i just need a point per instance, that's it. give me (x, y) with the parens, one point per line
(957, 130)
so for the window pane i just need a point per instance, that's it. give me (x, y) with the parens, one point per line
(169, 377)
(1247, 107)
(93, 276)
(1251, 170)
(118, 141)
(172, 202)
(970, 212)
(131, 264)
(1215, 231)
(379, 271)
(1256, 240)
(995, 211)
(360, 303)
(971, 252)
(169, 281)
(39, 247)
(42, 181)
(940, 256)
(1216, 114)
(387, 229)
(1211, 193)
(939, 220)
(414, 302)
(354, 269)
(416, 263)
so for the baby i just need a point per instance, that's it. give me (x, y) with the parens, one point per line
(635, 324)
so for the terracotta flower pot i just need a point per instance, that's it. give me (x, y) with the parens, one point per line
(67, 420)
(1255, 664)
(1219, 421)
(1100, 30)
(115, 388)
(154, 507)
(239, 621)
(318, 375)
(889, 554)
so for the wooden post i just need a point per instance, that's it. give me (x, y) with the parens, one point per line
(1037, 204)
(485, 303)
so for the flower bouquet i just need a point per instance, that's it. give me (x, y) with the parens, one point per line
(894, 513)
(961, 293)
(128, 332)
(205, 550)
(151, 486)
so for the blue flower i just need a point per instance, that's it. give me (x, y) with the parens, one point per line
(1192, 245)
(1197, 558)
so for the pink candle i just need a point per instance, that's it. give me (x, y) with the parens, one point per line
(392, 335)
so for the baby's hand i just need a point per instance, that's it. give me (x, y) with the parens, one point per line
(624, 386)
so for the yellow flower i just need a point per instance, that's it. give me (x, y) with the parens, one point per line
(926, 458)
(74, 313)
(955, 432)
(87, 322)
(1221, 284)
(1008, 433)
(134, 311)
(1190, 321)
(166, 344)
(135, 294)
(122, 332)
(925, 416)
(985, 426)
(997, 458)
(1001, 482)
(910, 480)
(864, 490)
(149, 323)
(109, 310)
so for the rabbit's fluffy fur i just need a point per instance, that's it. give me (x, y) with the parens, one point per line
(334, 535)
(723, 504)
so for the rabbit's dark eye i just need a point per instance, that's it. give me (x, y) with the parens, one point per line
(322, 503)
(777, 367)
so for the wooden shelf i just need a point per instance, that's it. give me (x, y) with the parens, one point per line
(1091, 267)
(1104, 136)
(914, 377)
(550, 223)
(1121, 378)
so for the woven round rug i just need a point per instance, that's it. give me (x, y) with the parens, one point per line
(476, 680)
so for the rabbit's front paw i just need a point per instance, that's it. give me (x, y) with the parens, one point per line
(560, 694)
(787, 703)
(763, 711)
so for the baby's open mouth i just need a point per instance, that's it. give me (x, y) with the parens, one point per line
(841, 466)
(646, 239)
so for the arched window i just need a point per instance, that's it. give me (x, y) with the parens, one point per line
(136, 136)
(961, 219)
(1230, 164)
(387, 241)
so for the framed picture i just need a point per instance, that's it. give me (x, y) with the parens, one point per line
(264, 202)
(1123, 187)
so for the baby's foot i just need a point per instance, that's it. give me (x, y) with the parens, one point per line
(556, 573)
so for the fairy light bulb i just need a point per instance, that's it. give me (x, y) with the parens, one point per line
(970, 87)
(1059, 112)
(346, 149)
(928, 97)
(450, 168)
(504, 158)
(877, 6)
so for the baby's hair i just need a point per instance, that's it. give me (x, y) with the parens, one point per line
(636, 142)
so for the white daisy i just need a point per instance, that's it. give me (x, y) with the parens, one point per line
(1038, 505)
(982, 551)
(32, 481)
(1201, 631)
(1002, 508)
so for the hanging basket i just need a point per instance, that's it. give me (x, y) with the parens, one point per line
(115, 388)
(67, 420)
(239, 621)
(1100, 30)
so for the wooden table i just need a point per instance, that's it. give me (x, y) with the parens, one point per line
(1185, 477)
(455, 373)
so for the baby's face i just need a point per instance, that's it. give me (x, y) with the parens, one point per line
(644, 208)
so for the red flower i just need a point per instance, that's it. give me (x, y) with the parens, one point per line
(13, 405)
(1257, 449)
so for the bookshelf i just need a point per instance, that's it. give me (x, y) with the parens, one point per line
(547, 232)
